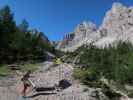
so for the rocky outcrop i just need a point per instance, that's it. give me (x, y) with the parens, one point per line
(84, 32)
(66, 40)
(117, 25)
(41, 35)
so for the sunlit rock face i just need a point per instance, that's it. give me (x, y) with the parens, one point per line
(66, 41)
(117, 25)
(83, 33)
(118, 20)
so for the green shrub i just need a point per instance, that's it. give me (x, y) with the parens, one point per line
(113, 62)
(78, 73)
(130, 94)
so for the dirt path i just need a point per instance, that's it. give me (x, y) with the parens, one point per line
(47, 76)
(8, 89)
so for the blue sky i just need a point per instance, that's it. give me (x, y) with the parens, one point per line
(58, 17)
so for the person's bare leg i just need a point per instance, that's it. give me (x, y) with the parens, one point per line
(24, 90)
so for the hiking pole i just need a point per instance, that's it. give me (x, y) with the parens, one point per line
(33, 85)
(59, 63)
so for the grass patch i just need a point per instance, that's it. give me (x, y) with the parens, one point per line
(30, 66)
(130, 94)
(4, 70)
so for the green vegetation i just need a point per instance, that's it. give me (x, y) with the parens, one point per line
(4, 71)
(114, 63)
(109, 68)
(130, 94)
(30, 66)
(19, 43)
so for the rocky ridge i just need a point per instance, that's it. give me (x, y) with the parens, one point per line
(117, 25)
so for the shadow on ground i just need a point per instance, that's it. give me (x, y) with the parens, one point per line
(40, 89)
(38, 94)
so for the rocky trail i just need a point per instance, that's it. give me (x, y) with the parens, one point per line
(47, 76)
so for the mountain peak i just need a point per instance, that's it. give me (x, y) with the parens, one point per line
(118, 7)
(84, 26)
(117, 25)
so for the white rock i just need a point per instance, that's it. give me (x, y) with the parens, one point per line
(117, 25)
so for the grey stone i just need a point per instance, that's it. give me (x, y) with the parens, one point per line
(117, 25)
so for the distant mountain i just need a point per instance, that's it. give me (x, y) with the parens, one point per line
(117, 25)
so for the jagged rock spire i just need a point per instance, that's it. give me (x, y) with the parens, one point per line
(117, 25)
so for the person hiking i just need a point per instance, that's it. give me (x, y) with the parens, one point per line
(26, 83)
